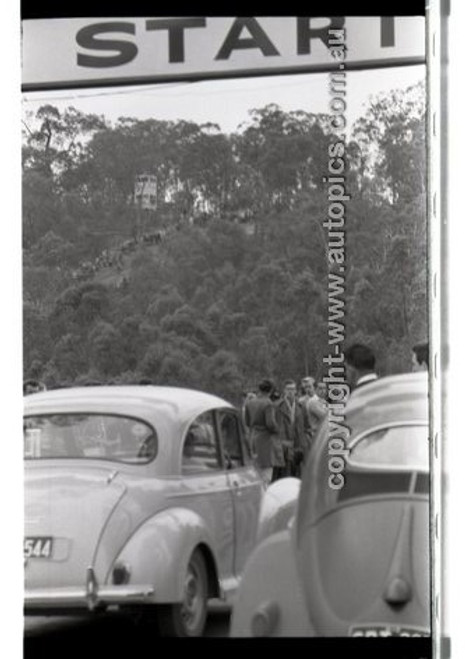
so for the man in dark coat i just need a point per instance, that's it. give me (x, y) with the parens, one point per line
(260, 418)
(291, 430)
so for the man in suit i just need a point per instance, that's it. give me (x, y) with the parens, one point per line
(291, 429)
(260, 419)
(360, 365)
(321, 391)
(315, 410)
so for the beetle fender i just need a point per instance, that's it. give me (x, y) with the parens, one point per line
(278, 506)
(270, 601)
(159, 551)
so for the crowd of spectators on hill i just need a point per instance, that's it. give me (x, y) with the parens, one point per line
(114, 258)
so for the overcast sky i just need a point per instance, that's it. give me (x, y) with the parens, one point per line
(227, 102)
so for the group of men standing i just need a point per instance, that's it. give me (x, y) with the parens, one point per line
(281, 431)
(282, 428)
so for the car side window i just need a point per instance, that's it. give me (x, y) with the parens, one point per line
(200, 451)
(246, 446)
(230, 438)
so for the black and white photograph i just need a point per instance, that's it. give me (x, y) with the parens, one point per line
(226, 330)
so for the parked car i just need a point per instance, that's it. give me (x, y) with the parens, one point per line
(355, 559)
(140, 497)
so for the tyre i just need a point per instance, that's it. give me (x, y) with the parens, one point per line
(188, 617)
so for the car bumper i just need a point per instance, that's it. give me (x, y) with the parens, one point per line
(88, 596)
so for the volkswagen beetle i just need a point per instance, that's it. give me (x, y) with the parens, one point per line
(142, 498)
(355, 558)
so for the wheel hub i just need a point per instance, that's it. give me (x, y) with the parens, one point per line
(192, 603)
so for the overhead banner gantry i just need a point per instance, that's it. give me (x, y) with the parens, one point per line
(78, 52)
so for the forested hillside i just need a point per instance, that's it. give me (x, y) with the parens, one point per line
(226, 280)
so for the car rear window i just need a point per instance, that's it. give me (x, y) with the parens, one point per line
(89, 436)
(396, 447)
(388, 461)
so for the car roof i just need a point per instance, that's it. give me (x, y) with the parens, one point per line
(154, 404)
(391, 399)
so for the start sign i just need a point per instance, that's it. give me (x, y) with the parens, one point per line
(66, 53)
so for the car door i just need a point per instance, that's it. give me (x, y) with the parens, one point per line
(246, 485)
(206, 488)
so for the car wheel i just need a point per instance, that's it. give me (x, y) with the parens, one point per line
(188, 617)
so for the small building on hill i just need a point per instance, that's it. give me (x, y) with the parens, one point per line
(145, 192)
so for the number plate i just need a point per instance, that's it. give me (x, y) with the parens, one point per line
(38, 547)
(385, 631)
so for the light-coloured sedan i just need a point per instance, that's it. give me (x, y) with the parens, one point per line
(138, 497)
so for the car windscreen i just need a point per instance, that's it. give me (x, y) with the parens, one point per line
(89, 436)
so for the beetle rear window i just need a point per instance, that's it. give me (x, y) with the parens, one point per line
(387, 461)
(89, 436)
(396, 447)
(391, 460)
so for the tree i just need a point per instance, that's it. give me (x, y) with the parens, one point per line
(52, 250)
(39, 206)
(289, 150)
(224, 375)
(207, 167)
(185, 322)
(243, 294)
(57, 140)
(77, 308)
(37, 343)
(391, 138)
(69, 358)
(255, 353)
(106, 348)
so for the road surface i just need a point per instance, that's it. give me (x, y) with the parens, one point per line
(50, 637)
